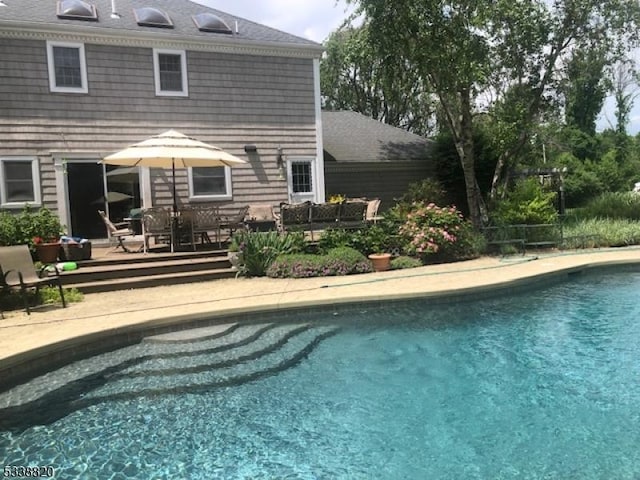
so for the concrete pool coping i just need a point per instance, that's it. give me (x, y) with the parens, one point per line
(52, 336)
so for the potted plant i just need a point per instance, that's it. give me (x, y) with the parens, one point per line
(44, 231)
(46, 251)
(381, 261)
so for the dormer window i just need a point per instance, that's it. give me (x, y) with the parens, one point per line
(67, 67)
(76, 10)
(208, 22)
(152, 17)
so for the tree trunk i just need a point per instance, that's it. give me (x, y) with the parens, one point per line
(464, 146)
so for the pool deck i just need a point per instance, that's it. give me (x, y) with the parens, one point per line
(51, 328)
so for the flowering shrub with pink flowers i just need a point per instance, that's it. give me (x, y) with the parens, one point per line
(430, 230)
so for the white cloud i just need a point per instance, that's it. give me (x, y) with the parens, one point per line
(311, 19)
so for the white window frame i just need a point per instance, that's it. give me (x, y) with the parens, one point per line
(84, 88)
(297, 197)
(156, 73)
(204, 198)
(35, 178)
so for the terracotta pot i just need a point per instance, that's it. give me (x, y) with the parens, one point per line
(381, 261)
(48, 252)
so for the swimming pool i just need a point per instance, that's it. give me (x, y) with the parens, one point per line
(538, 385)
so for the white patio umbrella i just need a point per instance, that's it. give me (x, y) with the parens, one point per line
(173, 150)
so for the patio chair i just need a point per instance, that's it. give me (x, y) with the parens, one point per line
(17, 272)
(352, 214)
(323, 216)
(295, 216)
(157, 223)
(372, 211)
(117, 231)
(235, 221)
(201, 220)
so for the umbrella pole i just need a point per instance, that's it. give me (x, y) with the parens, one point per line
(174, 217)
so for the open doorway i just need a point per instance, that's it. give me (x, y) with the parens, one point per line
(90, 188)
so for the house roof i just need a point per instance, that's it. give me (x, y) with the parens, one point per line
(352, 137)
(42, 15)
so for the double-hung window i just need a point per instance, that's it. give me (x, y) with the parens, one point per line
(210, 183)
(67, 67)
(19, 182)
(170, 72)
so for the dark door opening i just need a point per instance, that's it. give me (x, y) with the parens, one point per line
(86, 187)
(85, 182)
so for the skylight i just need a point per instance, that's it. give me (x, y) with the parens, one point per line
(77, 10)
(208, 22)
(152, 17)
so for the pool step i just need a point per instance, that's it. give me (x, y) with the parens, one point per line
(234, 355)
(202, 374)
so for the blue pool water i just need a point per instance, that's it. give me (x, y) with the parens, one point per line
(542, 385)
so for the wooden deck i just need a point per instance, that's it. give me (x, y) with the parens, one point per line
(110, 269)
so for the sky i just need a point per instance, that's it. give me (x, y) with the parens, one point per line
(311, 19)
(316, 19)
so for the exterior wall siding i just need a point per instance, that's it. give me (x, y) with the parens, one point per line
(233, 100)
(385, 181)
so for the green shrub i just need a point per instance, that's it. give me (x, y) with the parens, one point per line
(338, 261)
(25, 227)
(373, 239)
(424, 191)
(614, 205)
(46, 295)
(599, 232)
(258, 250)
(52, 295)
(527, 203)
(402, 262)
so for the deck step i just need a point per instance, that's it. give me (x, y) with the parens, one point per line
(151, 280)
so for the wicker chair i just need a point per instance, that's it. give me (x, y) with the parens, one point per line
(295, 217)
(235, 221)
(157, 223)
(202, 220)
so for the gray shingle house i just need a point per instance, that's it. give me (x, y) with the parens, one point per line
(82, 79)
(367, 158)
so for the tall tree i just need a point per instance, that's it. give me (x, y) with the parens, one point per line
(585, 88)
(353, 77)
(471, 50)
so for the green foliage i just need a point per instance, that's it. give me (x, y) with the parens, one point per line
(52, 295)
(611, 205)
(424, 191)
(23, 228)
(442, 233)
(354, 77)
(338, 261)
(258, 250)
(600, 232)
(46, 295)
(585, 88)
(449, 169)
(402, 262)
(474, 52)
(527, 203)
(377, 238)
